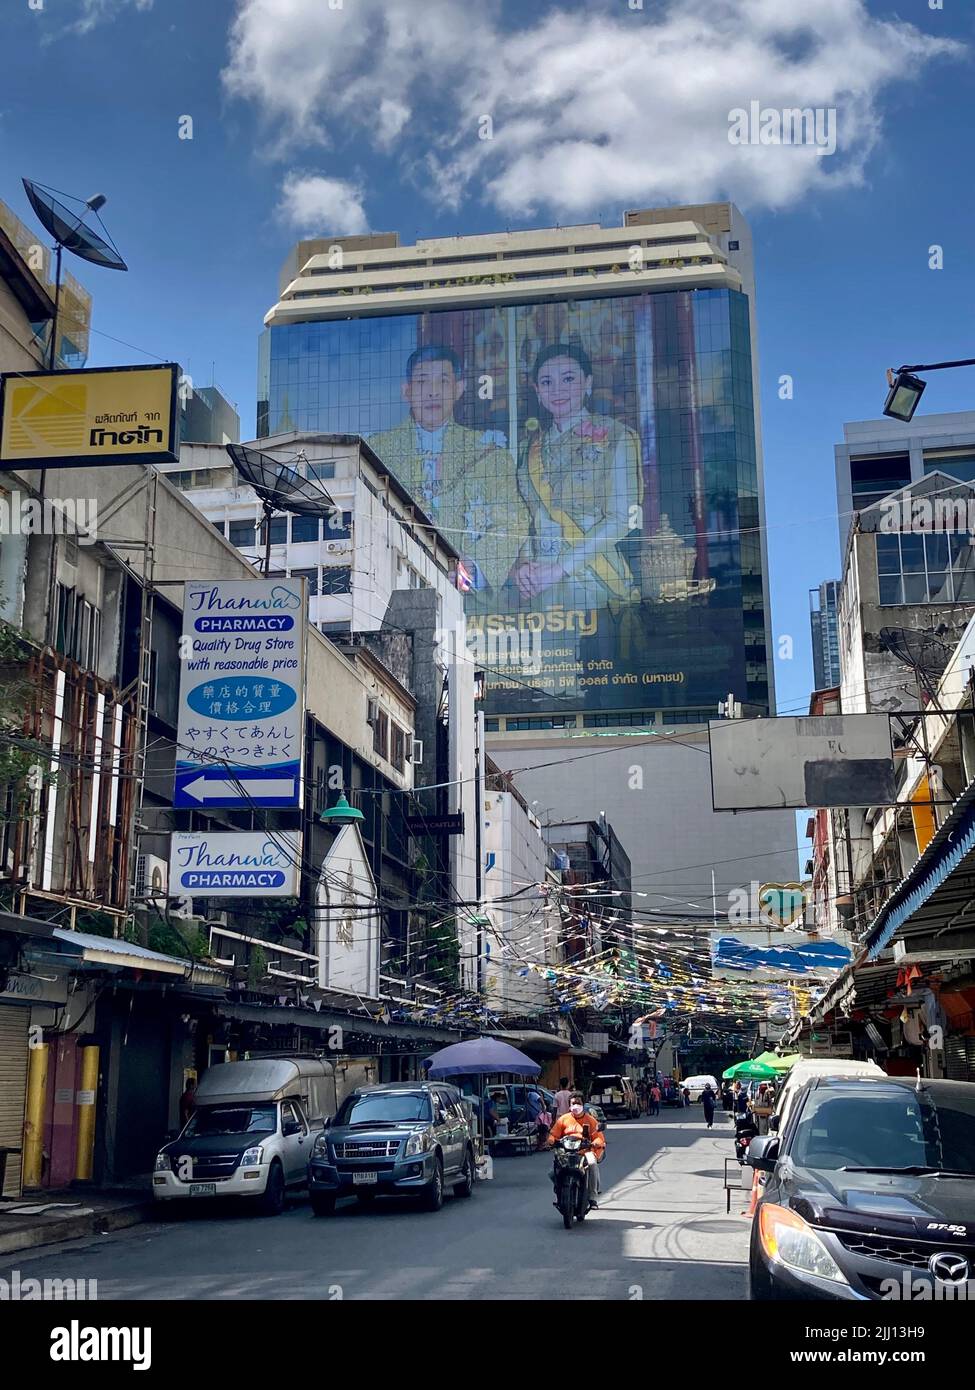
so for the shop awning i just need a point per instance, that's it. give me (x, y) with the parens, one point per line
(937, 889)
(332, 1018)
(534, 1040)
(82, 948)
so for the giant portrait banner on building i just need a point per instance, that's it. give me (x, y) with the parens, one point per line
(593, 461)
(241, 693)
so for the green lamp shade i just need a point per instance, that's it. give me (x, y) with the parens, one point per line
(341, 813)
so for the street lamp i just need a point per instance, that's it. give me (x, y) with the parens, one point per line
(906, 389)
(904, 395)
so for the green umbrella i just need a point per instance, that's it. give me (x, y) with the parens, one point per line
(779, 1065)
(765, 1067)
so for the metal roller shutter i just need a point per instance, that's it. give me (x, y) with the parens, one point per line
(13, 1088)
(960, 1058)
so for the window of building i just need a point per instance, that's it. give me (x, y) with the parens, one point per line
(550, 721)
(241, 533)
(311, 576)
(380, 734)
(492, 726)
(622, 720)
(219, 526)
(335, 629)
(734, 245)
(957, 463)
(305, 528)
(875, 476)
(77, 627)
(338, 525)
(688, 716)
(336, 579)
(936, 568)
(322, 471)
(397, 753)
(279, 531)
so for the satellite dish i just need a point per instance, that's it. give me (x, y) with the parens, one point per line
(65, 225)
(280, 487)
(923, 651)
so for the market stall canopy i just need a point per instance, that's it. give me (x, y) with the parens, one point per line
(480, 1057)
(780, 1065)
(765, 1067)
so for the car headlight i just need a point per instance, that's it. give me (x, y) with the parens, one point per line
(250, 1158)
(320, 1147)
(417, 1143)
(163, 1164)
(786, 1237)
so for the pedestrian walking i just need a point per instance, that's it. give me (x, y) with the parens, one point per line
(655, 1099)
(563, 1098)
(187, 1101)
(707, 1100)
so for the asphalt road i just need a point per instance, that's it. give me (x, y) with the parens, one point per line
(661, 1232)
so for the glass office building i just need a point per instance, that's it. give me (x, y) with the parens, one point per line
(594, 463)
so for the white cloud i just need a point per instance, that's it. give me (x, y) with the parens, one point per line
(313, 205)
(592, 107)
(93, 12)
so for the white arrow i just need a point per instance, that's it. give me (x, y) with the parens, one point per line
(203, 789)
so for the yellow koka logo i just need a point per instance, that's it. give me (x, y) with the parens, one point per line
(782, 903)
(52, 415)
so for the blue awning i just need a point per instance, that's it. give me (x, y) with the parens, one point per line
(944, 857)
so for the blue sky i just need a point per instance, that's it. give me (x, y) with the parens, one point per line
(314, 116)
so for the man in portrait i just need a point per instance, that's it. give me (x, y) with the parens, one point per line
(464, 479)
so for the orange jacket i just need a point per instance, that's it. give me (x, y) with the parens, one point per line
(568, 1124)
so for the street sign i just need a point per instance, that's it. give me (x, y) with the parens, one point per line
(91, 416)
(436, 825)
(236, 864)
(242, 694)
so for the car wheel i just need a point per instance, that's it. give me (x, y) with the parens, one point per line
(321, 1205)
(433, 1193)
(466, 1185)
(272, 1202)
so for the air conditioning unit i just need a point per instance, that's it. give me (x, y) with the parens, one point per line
(151, 876)
(338, 547)
(414, 754)
(372, 712)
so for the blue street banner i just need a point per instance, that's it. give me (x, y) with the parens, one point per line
(242, 694)
(235, 864)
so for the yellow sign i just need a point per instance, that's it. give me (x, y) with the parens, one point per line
(97, 415)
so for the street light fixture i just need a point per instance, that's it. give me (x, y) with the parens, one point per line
(904, 395)
(906, 389)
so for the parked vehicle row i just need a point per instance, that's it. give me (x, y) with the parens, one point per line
(868, 1189)
(263, 1127)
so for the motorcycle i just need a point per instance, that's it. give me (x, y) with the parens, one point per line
(745, 1131)
(571, 1178)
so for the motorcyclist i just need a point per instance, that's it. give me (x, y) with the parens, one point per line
(572, 1123)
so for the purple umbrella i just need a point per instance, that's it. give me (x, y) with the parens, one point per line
(480, 1057)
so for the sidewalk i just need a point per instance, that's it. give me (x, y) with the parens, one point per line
(46, 1218)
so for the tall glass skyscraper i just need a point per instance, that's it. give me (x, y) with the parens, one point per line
(574, 409)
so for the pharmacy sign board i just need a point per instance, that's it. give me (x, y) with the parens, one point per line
(242, 694)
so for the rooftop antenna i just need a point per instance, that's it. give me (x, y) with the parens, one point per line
(280, 487)
(65, 225)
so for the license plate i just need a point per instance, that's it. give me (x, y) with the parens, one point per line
(203, 1189)
(358, 1178)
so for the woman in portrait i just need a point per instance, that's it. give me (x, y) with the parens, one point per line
(580, 476)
